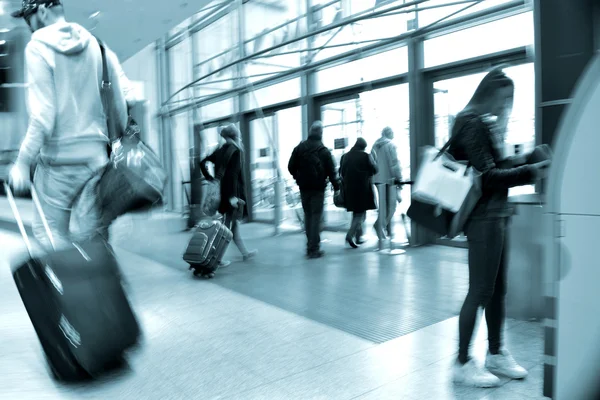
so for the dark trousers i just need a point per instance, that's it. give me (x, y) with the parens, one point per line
(356, 226)
(313, 203)
(488, 257)
(231, 221)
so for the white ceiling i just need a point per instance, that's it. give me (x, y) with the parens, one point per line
(127, 26)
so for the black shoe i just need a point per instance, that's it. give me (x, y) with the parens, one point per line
(316, 254)
(360, 241)
(351, 242)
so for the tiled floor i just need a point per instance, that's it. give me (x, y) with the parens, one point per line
(220, 339)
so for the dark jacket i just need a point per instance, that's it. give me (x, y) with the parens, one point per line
(357, 169)
(475, 144)
(232, 183)
(327, 163)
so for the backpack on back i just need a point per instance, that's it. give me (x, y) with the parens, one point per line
(310, 170)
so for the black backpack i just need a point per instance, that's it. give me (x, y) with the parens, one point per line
(310, 169)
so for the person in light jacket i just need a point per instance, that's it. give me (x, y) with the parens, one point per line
(386, 179)
(357, 168)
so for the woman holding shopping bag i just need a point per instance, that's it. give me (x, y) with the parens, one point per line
(480, 132)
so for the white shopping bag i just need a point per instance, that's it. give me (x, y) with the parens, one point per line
(444, 194)
(443, 181)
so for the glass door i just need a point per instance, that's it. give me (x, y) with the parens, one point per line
(273, 138)
(366, 116)
(262, 167)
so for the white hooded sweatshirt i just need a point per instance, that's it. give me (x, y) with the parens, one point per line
(67, 123)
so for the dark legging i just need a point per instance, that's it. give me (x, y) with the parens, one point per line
(488, 256)
(355, 231)
(232, 222)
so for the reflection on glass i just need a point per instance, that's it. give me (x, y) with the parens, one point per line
(366, 116)
(452, 95)
(180, 71)
(504, 34)
(431, 15)
(260, 17)
(273, 139)
(218, 37)
(180, 131)
(379, 66)
(273, 94)
(358, 34)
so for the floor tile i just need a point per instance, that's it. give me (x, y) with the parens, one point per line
(275, 362)
(351, 376)
(333, 345)
(265, 392)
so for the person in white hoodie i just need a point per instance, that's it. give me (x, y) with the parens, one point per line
(67, 132)
(386, 179)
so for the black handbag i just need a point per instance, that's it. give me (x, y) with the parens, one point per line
(134, 178)
(339, 197)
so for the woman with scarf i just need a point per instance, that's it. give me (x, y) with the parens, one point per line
(478, 136)
(233, 188)
(357, 169)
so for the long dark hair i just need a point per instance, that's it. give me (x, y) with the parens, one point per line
(495, 80)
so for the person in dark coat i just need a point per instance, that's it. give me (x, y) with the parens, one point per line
(233, 188)
(357, 168)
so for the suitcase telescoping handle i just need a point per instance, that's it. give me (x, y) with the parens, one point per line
(15, 210)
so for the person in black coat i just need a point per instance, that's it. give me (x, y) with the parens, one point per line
(357, 168)
(230, 156)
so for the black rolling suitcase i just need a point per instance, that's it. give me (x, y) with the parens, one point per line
(77, 305)
(207, 247)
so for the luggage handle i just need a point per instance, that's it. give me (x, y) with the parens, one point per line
(15, 210)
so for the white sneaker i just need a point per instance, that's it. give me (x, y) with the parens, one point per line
(471, 374)
(504, 364)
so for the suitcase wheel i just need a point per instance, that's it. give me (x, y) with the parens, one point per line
(202, 273)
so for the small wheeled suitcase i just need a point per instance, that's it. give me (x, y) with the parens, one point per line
(76, 303)
(207, 247)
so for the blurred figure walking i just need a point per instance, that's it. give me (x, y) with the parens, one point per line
(388, 176)
(312, 165)
(233, 188)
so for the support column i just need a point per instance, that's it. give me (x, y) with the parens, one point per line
(165, 126)
(307, 80)
(422, 128)
(567, 33)
(195, 153)
(564, 44)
